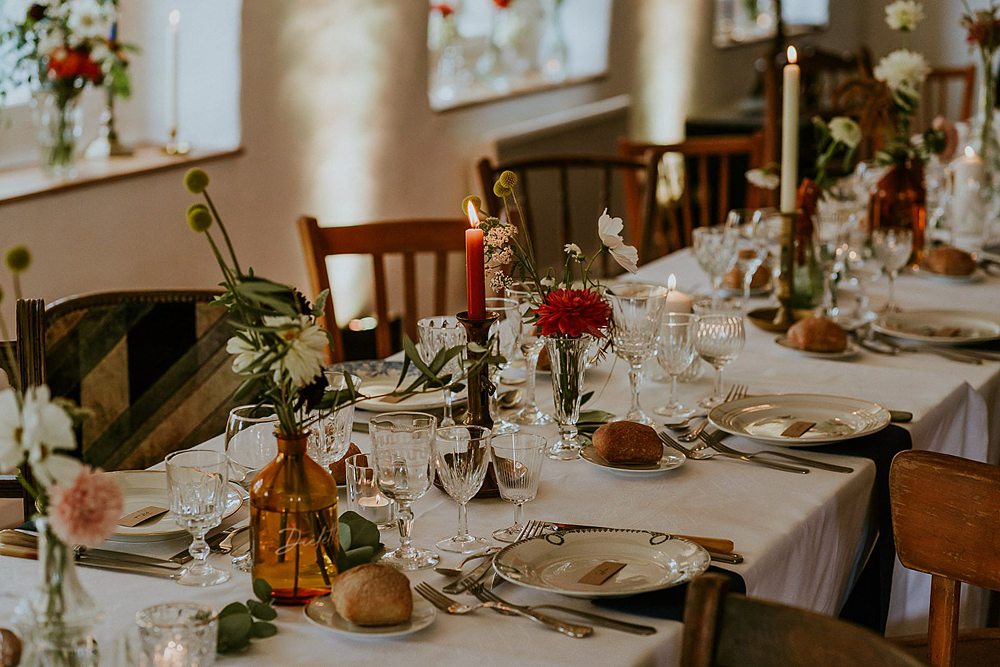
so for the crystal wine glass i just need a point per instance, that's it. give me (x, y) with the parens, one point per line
(517, 460)
(250, 442)
(440, 333)
(197, 485)
(636, 310)
(715, 250)
(527, 296)
(893, 247)
(751, 244)
(506, 330)
(718, 340)
(461, 454)
(675, 352)
(330, 435)
(830, 242)
(403, 456)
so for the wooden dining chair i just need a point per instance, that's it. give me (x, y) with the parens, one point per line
(151, 368)
(723, 629)
(407, 238)
(946, 519)
(564, 195)
(10, 487)
(698, 181)
(946, 92)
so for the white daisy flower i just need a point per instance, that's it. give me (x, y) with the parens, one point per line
(610, 230)
(904, 15)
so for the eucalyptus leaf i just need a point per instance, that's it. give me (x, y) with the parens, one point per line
(234, 608)
(233, 627)
(344, 535)
(261, 610)
(262, 630)
(363, 532)
(262, 590)
(359, 556)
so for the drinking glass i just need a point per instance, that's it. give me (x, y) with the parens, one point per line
(461, 454)
(439, 333)
(675, 352)
(403, 454)
(636, 311)
(517, 460)
(197, 484)
(830, 244)
(177, 633)
(715, 250)
(506, 330)
(893, 247)
(250, 442)
(330, 434)
(531, 343)
(363, 495)
(718, 340)
(771, 223)
(751, 243)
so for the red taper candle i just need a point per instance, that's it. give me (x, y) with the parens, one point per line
(475, 267)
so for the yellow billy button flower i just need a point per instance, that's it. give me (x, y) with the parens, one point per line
(500, 190)
(476, 202)
(18, 259)
(195, 180)
(199, 218)
(508, 179)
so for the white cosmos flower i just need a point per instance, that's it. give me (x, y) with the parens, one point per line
(87, 20)
(610, 231)
(11, 452)
(245, 353)
(573, 250)
(45, 429)
(763, 179)
(903, 71)
(305, 343)
(904, 15)
(845, 131)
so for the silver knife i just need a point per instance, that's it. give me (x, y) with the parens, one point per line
(716, 443)
(129, 568)
(138, 559)
(761, 462)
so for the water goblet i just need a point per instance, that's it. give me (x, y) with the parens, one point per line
(197, 485)
(718, 340)
(528, 297)
(440, 333)
(330, 434)
(751, 243)
(831, 247)
(403, 457)
(893, 247)
(250, 442)
(506, 330)
(461, 454)
(636, 311)
(675, 352)
(517, 460)
(715, 250)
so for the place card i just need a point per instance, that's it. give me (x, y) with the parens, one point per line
(602, 573)
(797, 429)
(133, 519)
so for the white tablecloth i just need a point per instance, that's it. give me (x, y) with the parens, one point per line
(801, 535)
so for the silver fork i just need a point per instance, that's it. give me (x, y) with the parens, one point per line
(486, 596)
(451, 606)
(736, 392)
(761, 462)
(481, 571)
(533, 528)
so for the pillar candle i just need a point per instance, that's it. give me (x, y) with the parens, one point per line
(677, 302)
(173, 78)
(475, 267)
(789, 133)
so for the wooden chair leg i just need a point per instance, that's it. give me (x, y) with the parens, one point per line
(942, 630)
(701, 617)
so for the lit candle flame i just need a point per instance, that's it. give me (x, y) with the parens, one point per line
(970, 151)
(175, 17)
(793, 55)
(473, 216)
(672, 283)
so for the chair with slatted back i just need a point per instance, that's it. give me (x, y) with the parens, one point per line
(151, 367)
(944, 515)
(407, 238)
(723, 629)
(10, 487)
(564, 195)
(946, 92)
(700, 180)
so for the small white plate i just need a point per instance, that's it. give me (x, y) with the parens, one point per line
(142, 488)
(421, 401)
(321, 612)
(974, 277)
(666, 462)
(850, 352)
(926, 326)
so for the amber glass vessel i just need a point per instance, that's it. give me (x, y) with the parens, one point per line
(900, 200)
(807, 281)
(293, 524)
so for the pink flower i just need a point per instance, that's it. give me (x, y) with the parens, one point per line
(86, 511)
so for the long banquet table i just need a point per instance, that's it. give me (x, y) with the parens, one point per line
(801, 535)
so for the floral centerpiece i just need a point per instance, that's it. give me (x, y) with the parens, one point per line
(59, 47)
(76, 506)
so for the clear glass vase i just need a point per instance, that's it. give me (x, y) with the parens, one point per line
(59, 124)
(552, 50)
(983, 136)
(57, 620)
(568, 358)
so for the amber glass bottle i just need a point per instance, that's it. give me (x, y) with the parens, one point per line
(900, 200)
(807, 281)
(293, 524)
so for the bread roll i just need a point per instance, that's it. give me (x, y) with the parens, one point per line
(950, 262)
(628, 442)
(817, 334)
(339, 467)
(372, 594)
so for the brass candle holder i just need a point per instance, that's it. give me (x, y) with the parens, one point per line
(477, 333)
(785, 290)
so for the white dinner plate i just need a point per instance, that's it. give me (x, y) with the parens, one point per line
(142, 488)
(666, 462)
(765, 418)
(850, 352)
(974, 277)
(941, 327)
(555, 562)
(322, 612)
(421, 401)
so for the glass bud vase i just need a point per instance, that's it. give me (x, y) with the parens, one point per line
(59, 124)
(568, 359)
(900, 200)
(57, 620)
(293, 524)
(552, 50)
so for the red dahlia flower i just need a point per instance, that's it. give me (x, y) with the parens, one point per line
(443, 7)
(572, 312)
(502, 4)
(71, 63)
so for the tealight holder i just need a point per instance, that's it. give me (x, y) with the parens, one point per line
(477, 336)
(177, 634)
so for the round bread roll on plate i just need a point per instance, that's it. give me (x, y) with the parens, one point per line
(818, 337)
(372, 594)
(631, 448)
(947, 264)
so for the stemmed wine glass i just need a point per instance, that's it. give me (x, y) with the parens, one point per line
(715, 250)
(893, 247)
(830, 243)
(506, 330)
(461, 454)
(531, 343)
(250, 442)
(636, 311)
(440, 333)
(517, 460)
(197, 482)
(675, 352)
(718, 340)
(751, 243)
(330, 435)
(403, 456)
